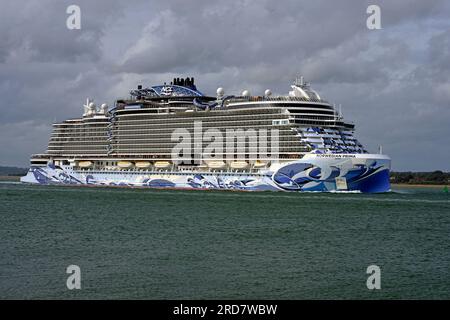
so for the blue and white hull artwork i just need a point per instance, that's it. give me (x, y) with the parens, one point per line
(368, 173)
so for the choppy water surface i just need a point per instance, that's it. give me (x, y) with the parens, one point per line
(158, 244)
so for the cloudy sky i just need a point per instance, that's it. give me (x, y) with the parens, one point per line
(394, 83)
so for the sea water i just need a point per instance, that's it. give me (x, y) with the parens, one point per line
(167, 244)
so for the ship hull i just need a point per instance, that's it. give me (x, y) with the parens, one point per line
(367, 173)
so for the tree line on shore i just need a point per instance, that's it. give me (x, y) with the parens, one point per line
(434, 177)
(12, 171)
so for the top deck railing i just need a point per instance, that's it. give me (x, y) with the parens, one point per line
(236, 98)
(279, 98)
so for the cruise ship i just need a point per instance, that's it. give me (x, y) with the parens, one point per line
(173, 136)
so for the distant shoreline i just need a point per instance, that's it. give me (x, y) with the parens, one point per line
(10, 178)
(417, 185)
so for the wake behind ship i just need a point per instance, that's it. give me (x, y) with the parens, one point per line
(173, 136)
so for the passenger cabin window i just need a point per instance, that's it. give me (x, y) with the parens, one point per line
(280, 122)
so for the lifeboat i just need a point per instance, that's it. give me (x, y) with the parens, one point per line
(259, 164)
(162, 164)
(216, 164)
(142, 164)
(85, 164)
(125, 164)
(239, 164)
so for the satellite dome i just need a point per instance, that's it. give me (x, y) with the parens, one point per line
(220, 91)
(245, 93)
(91, 105)
(267, 93)
(104, 108)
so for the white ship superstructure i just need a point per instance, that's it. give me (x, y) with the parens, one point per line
(132, 143)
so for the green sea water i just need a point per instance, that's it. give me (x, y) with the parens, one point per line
(165, 244)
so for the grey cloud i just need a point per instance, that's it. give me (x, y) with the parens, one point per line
(40, 28)
(212, 35)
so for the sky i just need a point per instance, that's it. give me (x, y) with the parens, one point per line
(393, 83)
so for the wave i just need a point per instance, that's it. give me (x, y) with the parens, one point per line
(344, 191)
(389, 197)
(10, 182)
